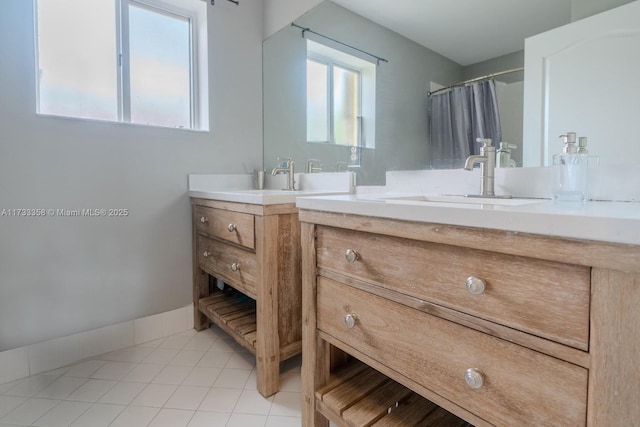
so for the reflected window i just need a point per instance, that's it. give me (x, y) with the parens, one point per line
(121, 60)
(340, 97)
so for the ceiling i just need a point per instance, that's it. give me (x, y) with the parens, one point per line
(465, 31)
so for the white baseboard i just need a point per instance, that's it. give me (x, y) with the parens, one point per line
(56, 353)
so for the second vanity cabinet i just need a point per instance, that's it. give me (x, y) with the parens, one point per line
(255, 250)
(487, 324)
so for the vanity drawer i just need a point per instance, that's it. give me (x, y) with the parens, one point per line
(544, 298)
(235, 266)
(235, 227)
(519, 386)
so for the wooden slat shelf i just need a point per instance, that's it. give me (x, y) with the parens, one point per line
(234, 313)
(360, 396)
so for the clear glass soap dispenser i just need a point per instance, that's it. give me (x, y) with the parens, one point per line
(570, 172)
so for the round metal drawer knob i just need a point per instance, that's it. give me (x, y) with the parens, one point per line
(474, 378)
(235, 266)
(232, 228)
(204, 219)
(206, 254)
(351, 256)
(350, 320)
(475, 285)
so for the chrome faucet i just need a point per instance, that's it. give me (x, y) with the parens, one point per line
(487, 160)
(313, 165)
(286, 166)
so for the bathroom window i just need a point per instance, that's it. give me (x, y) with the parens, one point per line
(130, 61)
(340, 97)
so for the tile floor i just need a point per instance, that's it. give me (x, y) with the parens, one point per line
(189, 379)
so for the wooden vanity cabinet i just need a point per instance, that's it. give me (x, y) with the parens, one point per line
(255, 249)
(497, 328)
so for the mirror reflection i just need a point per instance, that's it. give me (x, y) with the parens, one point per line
(327, 110)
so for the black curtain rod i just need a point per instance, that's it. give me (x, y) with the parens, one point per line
(309, 30)
(237, 2)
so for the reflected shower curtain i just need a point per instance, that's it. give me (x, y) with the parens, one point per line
(458, 117)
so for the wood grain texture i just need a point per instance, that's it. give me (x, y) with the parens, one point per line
(587, 253)
(614, 380)
(200, 279)
(315, 352)
(522, 387)
(543, 298)
(215, 223)
(266, 245)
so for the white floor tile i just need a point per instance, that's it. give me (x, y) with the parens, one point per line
(215, 359)
(9, 403)
(252, 402)
(92, 390)
(286, 403)
(278, 421)
(135, 416)
(122, 393)
(244, 360)
(155, 395)
(144, 373)
(209, 419)
(31, 385)
(202, 376)
(131, 354)
(187, 397)
(61, 388)
(202, 379)
(172, 418)
(176, 341)
(113, 371)
(63, 414)
(84, 369)
(171, 374)
(29, 411)
(232, 378)
(245, 420)
(220, 400)
(187, 357)
(291, 381)
(161, 356)
(98, 415)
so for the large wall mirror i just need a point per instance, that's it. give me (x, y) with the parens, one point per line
(393, 127)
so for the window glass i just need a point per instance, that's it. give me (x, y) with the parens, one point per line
(317, 102)
(345, 106)
(160, 67)
(77, 62)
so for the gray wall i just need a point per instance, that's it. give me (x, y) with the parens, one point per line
(402, 141)
(584, 8)
(60, 276)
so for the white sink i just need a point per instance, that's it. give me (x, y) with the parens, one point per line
(460, 199)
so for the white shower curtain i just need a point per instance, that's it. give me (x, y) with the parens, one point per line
(458, 117)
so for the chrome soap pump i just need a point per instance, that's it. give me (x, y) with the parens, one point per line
(569, 172)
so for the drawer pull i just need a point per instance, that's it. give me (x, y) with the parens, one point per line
(232, 228)
(204, 219)
(350, 320)
(206, 254)
(474, 378)
(235, 266)
(475, 285)
(351, 256)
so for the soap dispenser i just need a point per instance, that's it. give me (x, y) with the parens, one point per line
(503, 154)
(569, 172)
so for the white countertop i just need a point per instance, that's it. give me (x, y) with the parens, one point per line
(617, 222)
(257, 197)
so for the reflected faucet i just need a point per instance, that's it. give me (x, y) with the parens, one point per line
(286, 166)
(313, 165)
(487, 160)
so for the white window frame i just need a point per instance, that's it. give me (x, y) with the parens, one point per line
(197, 50)
(326, 54)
